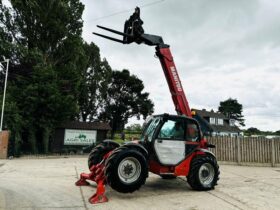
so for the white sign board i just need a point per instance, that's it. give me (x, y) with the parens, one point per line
(79, 137)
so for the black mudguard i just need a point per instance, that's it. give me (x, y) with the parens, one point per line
(206, 151)
(138, 147)
(110, 142)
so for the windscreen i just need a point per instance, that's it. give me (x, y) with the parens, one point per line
(150, 129)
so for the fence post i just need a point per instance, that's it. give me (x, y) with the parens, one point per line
(238, 151)
(272, 148)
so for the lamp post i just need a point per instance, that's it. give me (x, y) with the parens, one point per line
(4, 95)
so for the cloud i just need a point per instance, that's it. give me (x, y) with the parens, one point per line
(221, 48)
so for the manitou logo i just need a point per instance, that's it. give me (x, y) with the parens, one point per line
(176, 78)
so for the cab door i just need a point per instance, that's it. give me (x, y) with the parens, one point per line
(175, 141)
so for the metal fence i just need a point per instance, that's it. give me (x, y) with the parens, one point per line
(247, 150)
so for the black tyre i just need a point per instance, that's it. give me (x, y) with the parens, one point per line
(97, 153)
(167, 176)
(204, 173)
(126, 169)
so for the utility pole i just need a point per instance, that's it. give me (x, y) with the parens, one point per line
(4, 95)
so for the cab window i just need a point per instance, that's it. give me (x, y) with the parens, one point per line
(192, 131)
(179, 130)
(172, 130)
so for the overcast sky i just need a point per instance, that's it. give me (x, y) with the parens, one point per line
(222, 49)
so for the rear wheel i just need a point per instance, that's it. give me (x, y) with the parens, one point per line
(97, 153)
(204, 173)
(126, 170)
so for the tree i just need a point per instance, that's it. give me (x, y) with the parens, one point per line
(252, 131)
(134, 127)
(93, 87)
(277, 133)
(125, 99)
(232, 109)
(55, 76)
(14, 119)
(43, 40)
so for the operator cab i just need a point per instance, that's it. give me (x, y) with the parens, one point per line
(172, 137)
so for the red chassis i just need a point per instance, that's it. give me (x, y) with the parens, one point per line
(180, 170)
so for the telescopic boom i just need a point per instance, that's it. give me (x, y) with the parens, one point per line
(134, 32)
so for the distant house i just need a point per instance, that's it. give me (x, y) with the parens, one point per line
(215, 123)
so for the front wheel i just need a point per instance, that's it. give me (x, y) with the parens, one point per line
(204, 173)
(97, 153)
(126, 170)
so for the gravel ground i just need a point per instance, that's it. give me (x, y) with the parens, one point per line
(49, 184)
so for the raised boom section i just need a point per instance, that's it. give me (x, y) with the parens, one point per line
(173, 80)
(134, 32)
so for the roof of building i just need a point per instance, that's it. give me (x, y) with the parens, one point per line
(85, 125)
(216, 128)
(225, 128)
(205, 113)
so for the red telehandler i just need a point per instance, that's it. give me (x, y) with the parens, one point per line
(170, 145)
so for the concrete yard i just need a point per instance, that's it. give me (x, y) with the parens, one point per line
(49, 184)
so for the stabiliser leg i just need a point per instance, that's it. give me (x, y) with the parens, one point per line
(82, 181)
(96, 175)
(99, 196)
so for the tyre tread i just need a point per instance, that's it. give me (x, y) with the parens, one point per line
(111, 170)
(193, 178)
(97, 153)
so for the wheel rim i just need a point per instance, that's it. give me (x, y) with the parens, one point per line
(206, 174)
(129, 170)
